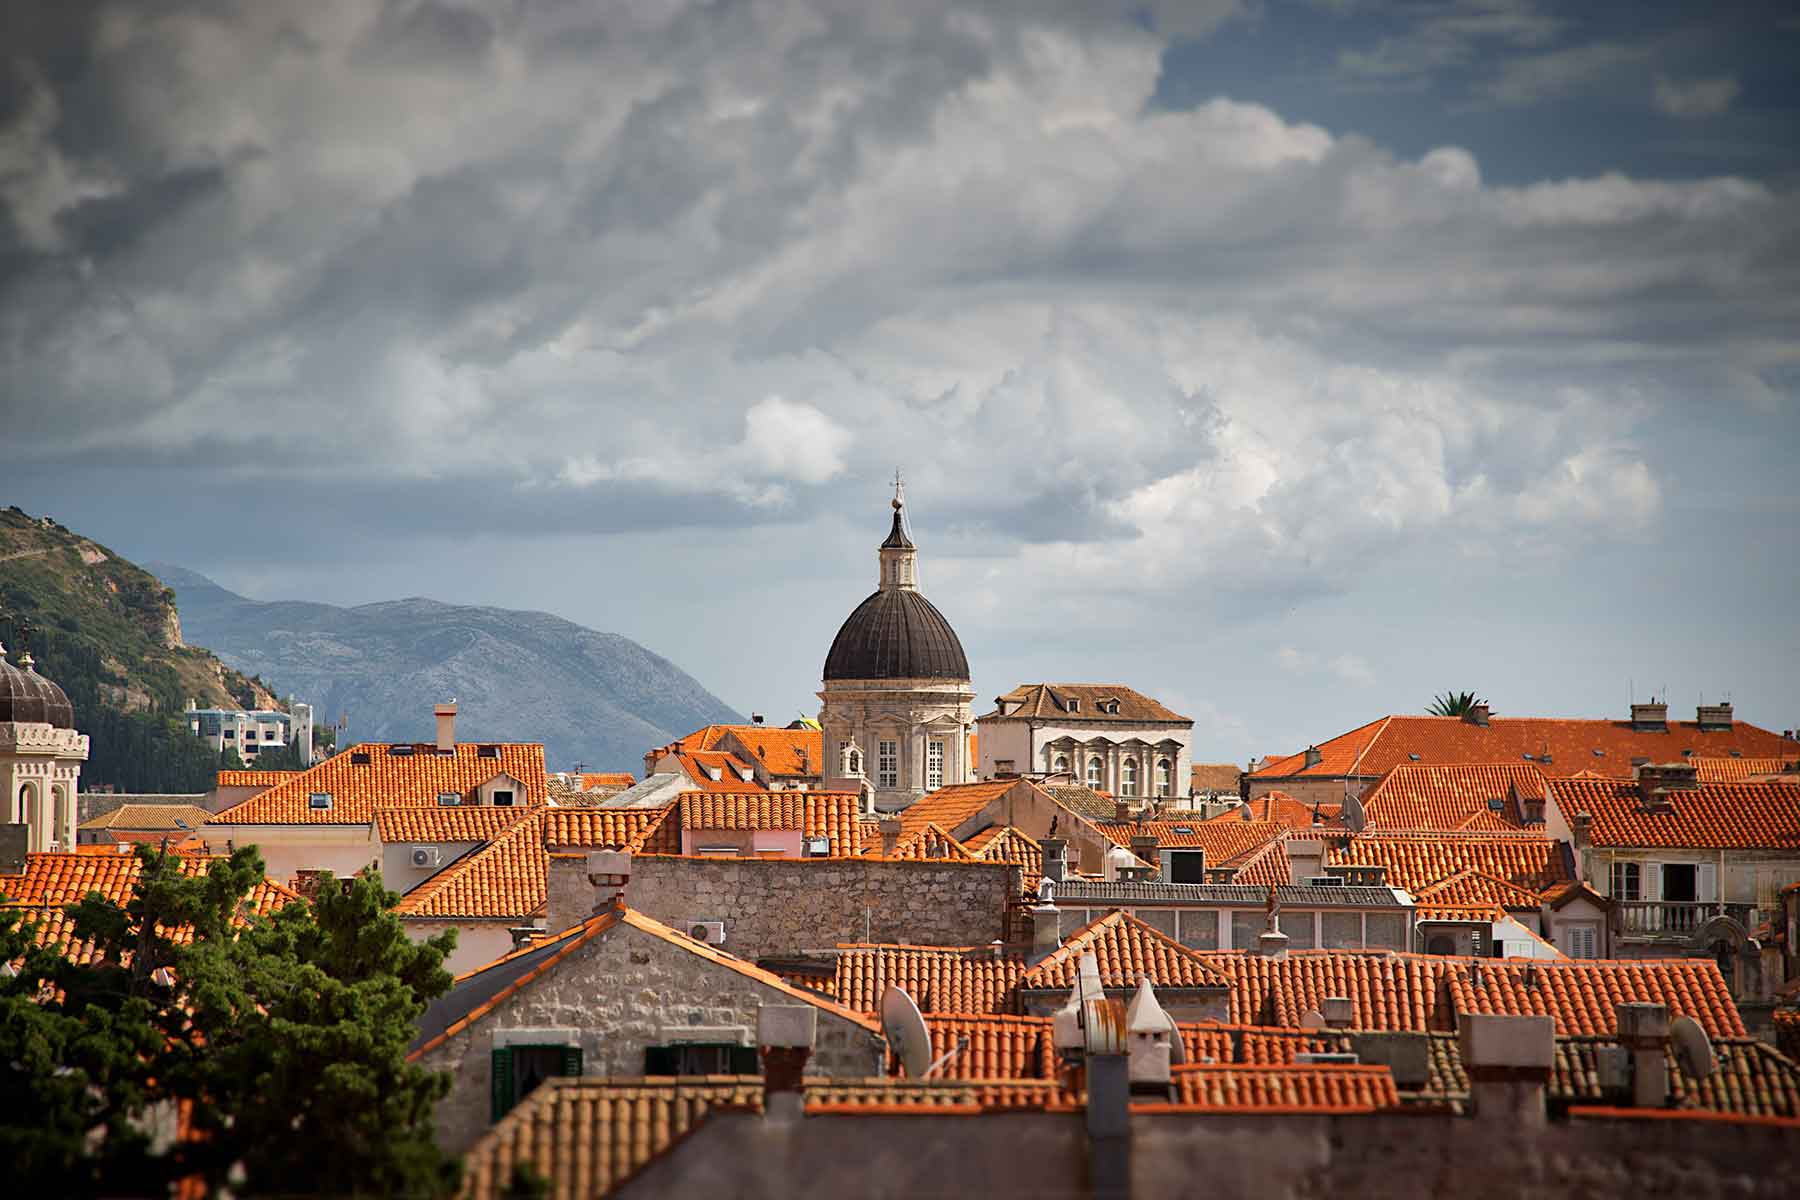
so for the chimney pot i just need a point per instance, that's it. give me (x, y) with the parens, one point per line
(1046, 930)
(609, 871)
(1644, 1031)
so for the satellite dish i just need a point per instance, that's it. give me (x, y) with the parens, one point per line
(1693, 1049)
(906, 1031)
(1312, 1019)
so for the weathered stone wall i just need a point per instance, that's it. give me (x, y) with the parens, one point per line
(1272, 1157)
(779, 906)
(615, 996)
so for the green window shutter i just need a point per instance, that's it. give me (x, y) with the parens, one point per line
(662, 1060)
(502, 1081)
(743, 1061)
(571, 1061)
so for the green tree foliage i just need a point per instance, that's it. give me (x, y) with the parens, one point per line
(284, 1043)
(1453, 704)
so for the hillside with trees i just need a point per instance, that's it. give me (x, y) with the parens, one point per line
(108, 633)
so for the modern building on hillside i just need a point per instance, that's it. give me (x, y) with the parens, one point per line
(250, 731)
(1107, 737)
(896, 714)
(41, 754)
(1349, 764)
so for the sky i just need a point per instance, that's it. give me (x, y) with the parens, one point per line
(1289, 362)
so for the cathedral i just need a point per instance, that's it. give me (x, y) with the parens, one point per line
(41, 753)
(896, 714)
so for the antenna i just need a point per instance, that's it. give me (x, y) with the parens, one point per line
(1693, 1049)
(906, 1031)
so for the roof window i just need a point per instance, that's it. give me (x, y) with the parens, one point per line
(487, 752)
(449, 799)
(402, 751)
(1599, 753)
(359, 758)
(1074, 703)
(319, 800)
(1414, 757)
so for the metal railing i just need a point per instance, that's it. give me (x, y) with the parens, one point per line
(1678, 918)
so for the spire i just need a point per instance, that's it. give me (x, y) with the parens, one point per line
(897, 538)
(899, 557)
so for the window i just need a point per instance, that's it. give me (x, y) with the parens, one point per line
(1341, 930)
(887, 764)
(1385, 931)
(701, 1058)
(1095, 772)
(934, 765)
(1299, 928)
(487, 752)
(1160, 919)
(503, 798)
(232, 734)
(855, 762)
(1199, 929)
(1074, 704)
(1247, 925)
(1060, 764)
(1128, 777)
(319, 800)
(1164, 774)
(1627, 881)
(449, 799)
(517, 1070)
(1004, 767)
(1583, 941)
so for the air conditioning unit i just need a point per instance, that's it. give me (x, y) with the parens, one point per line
(427, 856)
(710, 932)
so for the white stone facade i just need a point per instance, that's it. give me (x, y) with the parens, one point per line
(1132, 761)
(40, 775)
(925, 722)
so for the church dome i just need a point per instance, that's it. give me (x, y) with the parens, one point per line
(26, 696)
(896, 634)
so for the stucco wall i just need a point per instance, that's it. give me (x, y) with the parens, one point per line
(613, 997)
(478, 943)
(778, 906)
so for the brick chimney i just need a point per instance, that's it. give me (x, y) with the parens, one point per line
(890, 835)
(1508, 1060)
(1656, 780)
(1121, 810)
(1644, 1031)
(1713, 718)
(1650, 718)
(446, 727)
(1477, 714)
(785, 1033)
(1313, 757)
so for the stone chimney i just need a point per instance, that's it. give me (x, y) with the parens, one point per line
(1046, 927)
(1056, 865)
(1121, 810)
(1306, 858)
(579, 886)
(1650, 718)
(785, 1033)
(1313, 757)
(1477, 714)
(890, 835)
(1508, 1060)
(1656, 780)
(1339, 1012)
(1144, 846)
(1581, 827)
(446, 727)
(1713, 718)
(1644, 1031)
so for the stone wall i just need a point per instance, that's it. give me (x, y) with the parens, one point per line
(621, 992)
(779, 906)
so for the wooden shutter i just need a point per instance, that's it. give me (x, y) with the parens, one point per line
(743, 1061)
(502, 1081)
(662, 1060)
(571, 1061)
(1706, 882)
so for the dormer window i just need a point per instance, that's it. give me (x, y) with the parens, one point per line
(450, 799)
(487, 752)
(503, 798)
(715, 773)
(403, 751)
(1074, 704)
(319, 800)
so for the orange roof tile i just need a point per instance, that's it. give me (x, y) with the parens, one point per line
(150, 818)
(966, 979)
(1436, 796)
(1126, 950)
(1000, 1046)
(1208, 1041)
(255, 779)
(1389, 991)
(698, 766)
(817, 814)
(1312, 1087)
(1007, 843)
(1052, 700)
(931, 842)
(456, 823)
(1741, 770)
(630, 829)
(1284, 809)
(505, 879)
(788, 753)
(1214, 777)
(1470, 887)
(1583, 994)
(1266, 864)
(388, 780)
(1372, 750)
(951, 806)
(1417, 859)
(607, 779)
(1223, 839)
(1762, 816)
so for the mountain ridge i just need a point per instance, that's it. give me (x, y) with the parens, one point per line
(592, 697)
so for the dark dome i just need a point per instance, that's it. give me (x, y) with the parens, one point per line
(27, 696)
(896, 634)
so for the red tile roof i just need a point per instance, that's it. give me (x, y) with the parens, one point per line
(1051, 701)
(1223, 839)
(607, 779)
(1389, 991)
(1126, 951)
(1738, 770)
(817, 814)
(505, 879)
(1583, 994)
(1472, 888)
(1762, 816)
(457, 823)
(630, 829)
(1000, 1046)
(1283, 809)
(930, 842)
(1415, 860)
(1372, 750)
(1431, 796)
(388, 780)
(1214, 777)
(255, 779)
(1317, 1087)
(150, 818)
(699, 765)
(1007, 843)
(951, 806)
(967, 979)
(790, 753)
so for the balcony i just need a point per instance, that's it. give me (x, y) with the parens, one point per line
(1655, 920)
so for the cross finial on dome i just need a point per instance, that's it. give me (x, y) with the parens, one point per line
(899, 490)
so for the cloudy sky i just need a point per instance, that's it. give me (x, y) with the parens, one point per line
(1288, 361)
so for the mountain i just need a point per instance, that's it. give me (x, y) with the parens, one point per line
(590, 697)
(107, 632)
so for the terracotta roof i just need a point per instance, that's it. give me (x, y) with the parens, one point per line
(1263, 865)
(1389, 991)
(1126, 950)
(1001, 1046)
(1214, 777)
(929, 842)
(1372, 750)
(1007, 843)
(816, 814)
(1312, 1087)
(633, 829)
(1221, 840)
(1084, 800)
(1473, 888)
(1738, 770)
(151, 817)
(389, 780)
(458, 823)
(1426, 796)
(1417, 859)
(255, 779)
(966, 979)
(783, 752)
(1208, 1041)
(1582, 994)
(1762, 816)
(951, 806)
(505, 879)
(1295, 814)
(1050, 701)
(607, 779)
(698, 766)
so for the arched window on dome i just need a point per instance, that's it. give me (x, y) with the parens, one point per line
(1096, 772)
(28, 804)
(1060, 764)
(1128, 777)
(856, 762)
(1165, 773)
